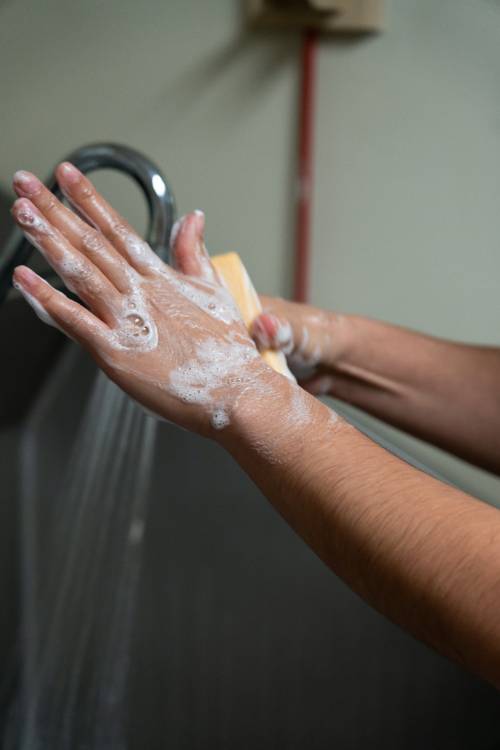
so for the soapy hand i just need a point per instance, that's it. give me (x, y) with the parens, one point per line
(312, 339)
(171, 337)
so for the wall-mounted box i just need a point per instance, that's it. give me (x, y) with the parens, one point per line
(329, 16)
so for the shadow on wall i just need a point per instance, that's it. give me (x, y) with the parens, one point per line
(277, 49)
(200, 80)
(261, 59)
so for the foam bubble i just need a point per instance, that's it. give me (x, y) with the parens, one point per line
(211, 298)
(220, 419)
(218, 366)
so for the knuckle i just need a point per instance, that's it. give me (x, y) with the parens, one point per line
(46, 297)
(91, 241)
(50, 204)
(95, 287)
(85, 190)
(81, 276)
(118, 228)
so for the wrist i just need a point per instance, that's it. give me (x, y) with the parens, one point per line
(336, 334)
(274, 418)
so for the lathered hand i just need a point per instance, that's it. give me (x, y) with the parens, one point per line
(312, 339)
(171, 337)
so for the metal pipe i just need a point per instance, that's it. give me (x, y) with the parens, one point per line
(140, 168)
(305, 167)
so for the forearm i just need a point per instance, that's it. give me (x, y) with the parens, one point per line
(442, 392)
(424, 554)
(446, 393)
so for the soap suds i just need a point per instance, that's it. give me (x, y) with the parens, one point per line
(29, 218)
(40, 311)
(300, 409)
(213, 299)
(140, 252)
(136, 328)
(284, 338)
(174, 233)
(220, 419)
(209, 379)
(220, 370)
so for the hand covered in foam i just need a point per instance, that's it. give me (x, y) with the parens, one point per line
(171, 337)
(312, 339)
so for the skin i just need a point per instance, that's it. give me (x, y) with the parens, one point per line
(444, 392)
(423, 553)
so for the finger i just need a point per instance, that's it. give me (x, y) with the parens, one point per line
(271, 332)
(55, 309)
(78, 272)
(82, 236)
(82, 194)
(189, 254)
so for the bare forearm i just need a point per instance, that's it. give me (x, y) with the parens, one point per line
(446, 393)
(421, 552)
(443, 392)
(424, 554)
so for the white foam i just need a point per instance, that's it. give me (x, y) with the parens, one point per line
(213, 375)
(29, 218)
(220, 419)
(284, 338)
(136, 330)
(211, 298)
(140, 252)
(40, 311)
(208, 272)
(300, 409)
(221, 369)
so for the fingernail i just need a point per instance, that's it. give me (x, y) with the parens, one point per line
(200, 221)
(24, 214)
(25, 279)
(26, 183)
(70, 173)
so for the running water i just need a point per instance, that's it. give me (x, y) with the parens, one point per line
(78, 615)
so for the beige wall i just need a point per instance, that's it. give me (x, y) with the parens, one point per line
(407, 220)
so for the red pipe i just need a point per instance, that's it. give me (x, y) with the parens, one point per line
(305, 167)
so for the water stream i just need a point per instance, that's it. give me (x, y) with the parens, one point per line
(78, 607)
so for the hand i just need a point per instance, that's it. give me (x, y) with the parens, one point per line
(312, 340)
(172, 338)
